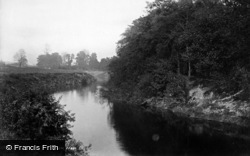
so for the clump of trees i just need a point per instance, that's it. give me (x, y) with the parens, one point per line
(180, 44)
(82, 60)
(53, 60)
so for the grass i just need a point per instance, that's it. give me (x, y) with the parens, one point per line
(11, 69)
(101, 76)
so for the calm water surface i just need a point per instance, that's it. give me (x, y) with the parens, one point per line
(92, 120)
(123, 130)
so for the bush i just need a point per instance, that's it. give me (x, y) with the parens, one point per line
(34, 115)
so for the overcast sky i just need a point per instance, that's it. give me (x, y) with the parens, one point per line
(64, 25)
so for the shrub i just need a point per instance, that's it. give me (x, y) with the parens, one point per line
(34, 114)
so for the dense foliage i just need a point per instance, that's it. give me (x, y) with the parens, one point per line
(180, 44)
(84, 60)
(33, 114)
(29, 111)
(53, 60)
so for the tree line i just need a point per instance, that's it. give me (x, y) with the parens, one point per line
(180, 44)
(82, 60)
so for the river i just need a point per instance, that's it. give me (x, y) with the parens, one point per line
(125, 130)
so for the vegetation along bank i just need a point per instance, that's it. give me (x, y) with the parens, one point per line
(29, 111)
(190, 57)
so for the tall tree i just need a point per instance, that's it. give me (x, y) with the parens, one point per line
(82, 59)
(20, 57)
(93, 62)
(68, 59)
(55, 60)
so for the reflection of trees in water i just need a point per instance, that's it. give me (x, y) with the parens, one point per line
(92, 91)
(143, 133)
(85, 91)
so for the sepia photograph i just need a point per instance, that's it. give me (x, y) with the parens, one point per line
(124, 78)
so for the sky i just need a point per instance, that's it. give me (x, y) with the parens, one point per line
(64, 26)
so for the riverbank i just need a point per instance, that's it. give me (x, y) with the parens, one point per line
(50, 82)
(211, 109)
(23, 94)
(225, 116)
(29, 111)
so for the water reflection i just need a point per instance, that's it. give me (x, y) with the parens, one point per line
(92, 124)
(145, 133)
(124, 130)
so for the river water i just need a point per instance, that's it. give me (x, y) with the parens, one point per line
(118, 129)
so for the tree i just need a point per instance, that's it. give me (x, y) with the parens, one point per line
(68, 59)
(43, 61)
(82, 59)
(181, 42)
(104, 64)
(20, 57)
(53, 60)
(93, 62)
